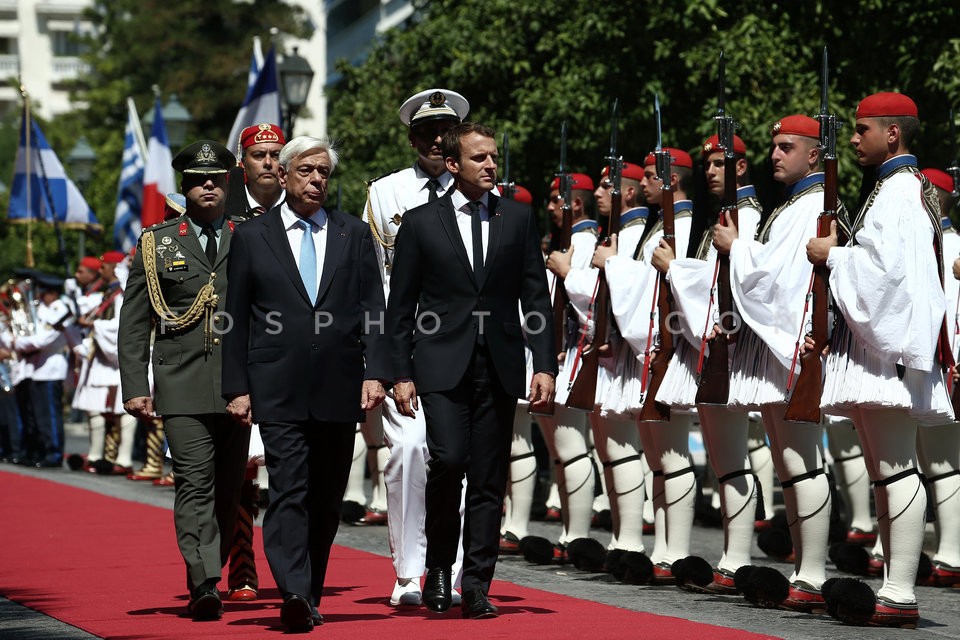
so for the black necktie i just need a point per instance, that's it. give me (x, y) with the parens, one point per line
(433, 184)
(211, 249)
(477, 240)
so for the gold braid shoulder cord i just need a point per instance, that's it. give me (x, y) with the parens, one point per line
(203, 305)
(382, 237)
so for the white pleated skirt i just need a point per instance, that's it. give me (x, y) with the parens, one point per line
(622, 398)
(679, 386)
(856, 376)
(756, 376)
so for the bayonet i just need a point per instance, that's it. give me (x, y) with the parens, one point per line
(954, 168)
(506, 185)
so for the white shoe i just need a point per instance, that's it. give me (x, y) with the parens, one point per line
(406, 593)
(454, 598)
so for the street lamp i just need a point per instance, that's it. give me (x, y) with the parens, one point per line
(176, 119)
(295, 78)
(81, 160)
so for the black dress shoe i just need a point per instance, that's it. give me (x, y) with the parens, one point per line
(436, 590)
(296, 614)
(474, 604)
(205, 601)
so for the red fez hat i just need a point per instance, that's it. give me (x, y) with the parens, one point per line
(886, 104)
(580, 181)
(629, 170)
(678, 158)
(258, 133)
(90, 262)
(113, 257)
(940, 179)
(796, 125)
(713, 144)
(520, 194)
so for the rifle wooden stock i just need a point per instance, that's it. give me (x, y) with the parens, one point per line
(584, 390)
(804, 405)
(715, 376)
(652, 410)
(583, 393)
(560, 302)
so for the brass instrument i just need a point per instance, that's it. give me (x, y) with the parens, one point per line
(19, 315)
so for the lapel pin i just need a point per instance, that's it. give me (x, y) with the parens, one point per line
(183, 228)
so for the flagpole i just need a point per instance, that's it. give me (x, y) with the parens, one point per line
(28, 129)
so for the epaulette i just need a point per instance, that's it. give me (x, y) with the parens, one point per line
(164, 223)
(389, 173)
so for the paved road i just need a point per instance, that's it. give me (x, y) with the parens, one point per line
(940, 608)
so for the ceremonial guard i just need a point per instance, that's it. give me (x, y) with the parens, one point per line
(769, 282)
(694, 282)
(567, 431)
(615, 435)
(176, 296)
(632, 283)
(259, 152)
(112, 430)
(44, 351)
(938, 446)
(259, 148)
(890, 351)
(403, 466)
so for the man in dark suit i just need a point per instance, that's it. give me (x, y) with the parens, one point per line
(304, 359)
(174, 299)
(464, 266)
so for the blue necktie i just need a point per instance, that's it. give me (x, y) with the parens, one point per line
(308, 260)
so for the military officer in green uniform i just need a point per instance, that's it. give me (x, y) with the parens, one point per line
(175, 297)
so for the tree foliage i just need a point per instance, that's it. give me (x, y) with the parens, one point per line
(527, 66)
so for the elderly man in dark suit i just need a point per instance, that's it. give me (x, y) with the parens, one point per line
(174, 300)
(464, 266)
(304, 359)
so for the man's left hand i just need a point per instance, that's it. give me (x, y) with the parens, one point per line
(818, 249)
(604, 252)
(371, 395)
(542, 389)
(558, 262)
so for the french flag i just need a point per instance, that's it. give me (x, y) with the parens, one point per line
(262, 102)
(158, 175)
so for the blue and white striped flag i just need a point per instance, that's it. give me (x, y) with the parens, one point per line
(262, 102)
(41, 189)
(126, 225)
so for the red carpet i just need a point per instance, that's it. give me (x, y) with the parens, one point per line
(112, 568)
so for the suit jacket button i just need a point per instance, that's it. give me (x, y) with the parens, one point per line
(160, 360)
(216, 341)
(181, 278)
(315, 346)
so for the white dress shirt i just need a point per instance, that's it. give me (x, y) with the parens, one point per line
(291, 222)
(463, 223)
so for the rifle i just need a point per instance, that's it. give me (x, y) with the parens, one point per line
(561, 301)
(652, 410)
(584, 390)
(507, 187)
(714, 375)
(954, 171)
(804, 405)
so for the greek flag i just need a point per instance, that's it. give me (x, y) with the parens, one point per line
(262, 102)
(126, 225)
(41, 189)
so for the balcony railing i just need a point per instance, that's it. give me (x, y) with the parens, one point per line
(9, 65)
(68, 68)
